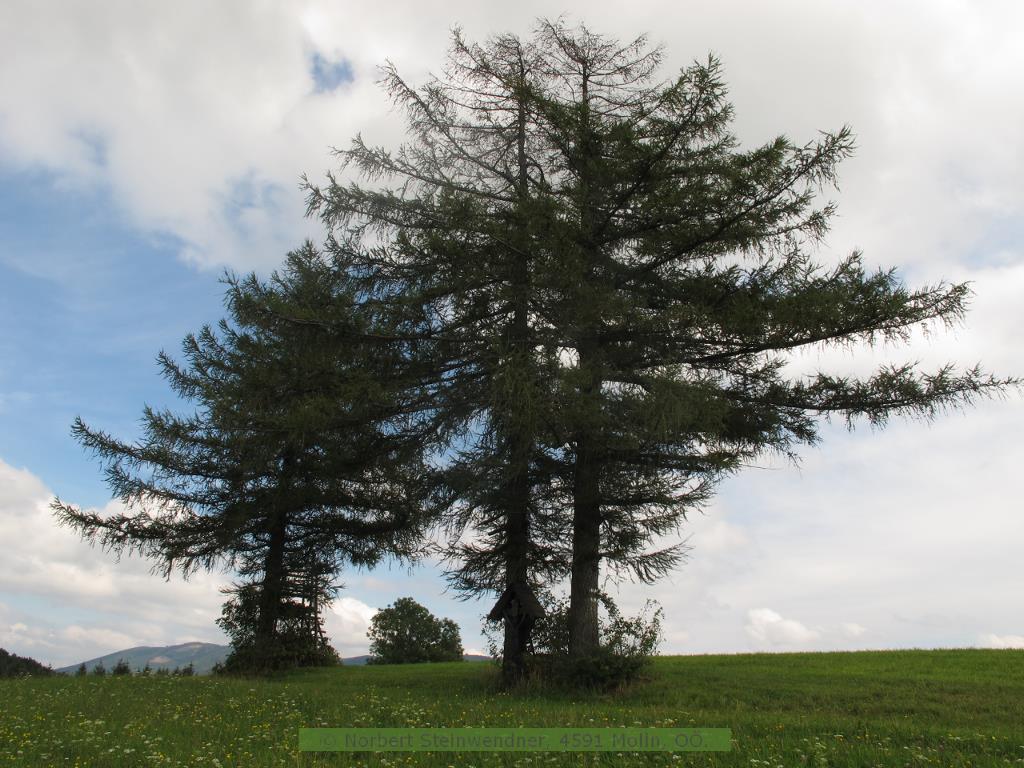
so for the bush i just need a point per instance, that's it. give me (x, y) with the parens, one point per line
(121, 668)
(99, 670)
(407, 633)
(264, 658)
(627, 645)
(294, 645)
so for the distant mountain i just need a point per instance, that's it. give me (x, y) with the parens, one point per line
(12, 665)
(202, 656)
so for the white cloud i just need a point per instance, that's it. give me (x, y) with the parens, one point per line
(1002, 641)
(69, 601)
(198, 120)
(97, 637)
(851, 630)
(66, 601)
(347, 622)
(720, 537)
(909, 533)
(42, 641)
(16, 486)
(765, 626)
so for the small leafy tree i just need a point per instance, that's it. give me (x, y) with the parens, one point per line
(407, 633)
(81, 671)
(99, 670)
(121, 668)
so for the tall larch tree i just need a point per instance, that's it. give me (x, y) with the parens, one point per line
(300, 457)
(688, 283)
(445, 242)
(610, 286)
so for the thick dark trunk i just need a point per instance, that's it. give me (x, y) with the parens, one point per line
(517, 638)
(584, 632)
(273, 582)
(584, 629)
(584, 635)
(517, 532)
(517, 522)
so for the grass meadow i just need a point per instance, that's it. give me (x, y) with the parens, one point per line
(900, 708)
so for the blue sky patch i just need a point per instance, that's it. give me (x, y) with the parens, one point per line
(87, 304)
(328, 75)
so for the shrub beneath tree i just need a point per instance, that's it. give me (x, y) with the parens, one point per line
(627, 645)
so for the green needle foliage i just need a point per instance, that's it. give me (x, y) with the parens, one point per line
(607, 287)
(444, 243)
(297, 460)
(688, 281)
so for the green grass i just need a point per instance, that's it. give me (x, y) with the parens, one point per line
(904, 708)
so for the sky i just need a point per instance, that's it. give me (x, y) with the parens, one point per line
(147, 147)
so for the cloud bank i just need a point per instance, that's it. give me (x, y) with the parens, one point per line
(62, 601)
(198, 119)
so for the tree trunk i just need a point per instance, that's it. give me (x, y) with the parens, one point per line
(584, 635)
(517, 527)
(273, 583)
(584, 632)
(517, 490)
(521, 438)
(517, 509)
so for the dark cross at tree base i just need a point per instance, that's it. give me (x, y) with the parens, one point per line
(520, 609)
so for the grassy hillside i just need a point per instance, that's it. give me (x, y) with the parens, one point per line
(906, 708)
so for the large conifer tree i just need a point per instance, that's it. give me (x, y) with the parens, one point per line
(447, 245)
(299, 457)
(688, 281)
(610, 284)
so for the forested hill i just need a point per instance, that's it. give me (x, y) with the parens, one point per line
(202, 657)
(12, 665)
